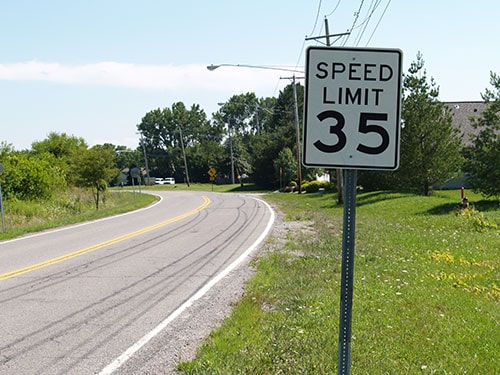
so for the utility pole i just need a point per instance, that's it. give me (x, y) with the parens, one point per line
(213, 67)
(145, 158)
(184, 156)
(296, 117)
(230, 137)
(231, 149)
(340, 197)
(297, 128)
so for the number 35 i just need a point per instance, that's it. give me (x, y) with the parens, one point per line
(363, 128)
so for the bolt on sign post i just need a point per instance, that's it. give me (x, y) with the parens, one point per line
(351, 121)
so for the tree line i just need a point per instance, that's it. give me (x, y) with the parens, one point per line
(254, 139)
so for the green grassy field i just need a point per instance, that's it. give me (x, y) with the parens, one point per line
(426, 292)
(74, 206)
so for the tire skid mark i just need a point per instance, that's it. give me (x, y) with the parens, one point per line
(121, 256)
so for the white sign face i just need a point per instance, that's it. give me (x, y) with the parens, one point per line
(352, 108)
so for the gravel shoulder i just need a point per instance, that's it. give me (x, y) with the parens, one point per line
(182, 338)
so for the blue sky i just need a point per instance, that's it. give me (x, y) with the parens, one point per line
(94, 68)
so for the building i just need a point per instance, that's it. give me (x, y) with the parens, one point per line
(462, 112)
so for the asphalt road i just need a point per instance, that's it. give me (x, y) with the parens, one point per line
(92, 298)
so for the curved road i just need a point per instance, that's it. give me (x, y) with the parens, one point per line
(88, 298)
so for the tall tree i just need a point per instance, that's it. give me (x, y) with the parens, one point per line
(161, 129)
(430, 146)
(242, 111)
(30, 176)
(240, 116)
(285, 165)
(483, 156)
(127, 158)
(277, 134)
(202, 157)
(63, 147)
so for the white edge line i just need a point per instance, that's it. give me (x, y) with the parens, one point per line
(71, 226)
(127, 354)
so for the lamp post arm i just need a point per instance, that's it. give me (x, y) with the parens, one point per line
(212, 67)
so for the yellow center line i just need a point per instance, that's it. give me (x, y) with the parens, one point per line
(74, 254)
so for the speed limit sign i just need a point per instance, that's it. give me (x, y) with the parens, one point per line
(352, 108)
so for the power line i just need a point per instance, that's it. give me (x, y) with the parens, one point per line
(367, 19)
(314, 28)
(300, 54)
(373, 7)
(317, 17)
(334, 9)
(380, 19)
(356, 16)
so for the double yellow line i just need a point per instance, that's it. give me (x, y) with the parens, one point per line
(74, 254)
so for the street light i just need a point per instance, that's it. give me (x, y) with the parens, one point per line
(212, 67)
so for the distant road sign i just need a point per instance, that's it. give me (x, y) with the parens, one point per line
(135, 172)
(352, 112)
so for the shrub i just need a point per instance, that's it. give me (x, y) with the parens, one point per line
(31, 177)
(314, 186)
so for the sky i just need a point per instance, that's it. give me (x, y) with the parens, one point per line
(94, 68)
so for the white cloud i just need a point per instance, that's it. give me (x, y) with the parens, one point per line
(163, 77)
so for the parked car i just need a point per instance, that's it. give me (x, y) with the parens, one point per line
(169, 180)
(165, 181)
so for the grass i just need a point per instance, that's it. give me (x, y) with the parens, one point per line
(74, 206)
(426, 294)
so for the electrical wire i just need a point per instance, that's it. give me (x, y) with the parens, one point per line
(356, 16)
(312, 32)
(334, 9)
(300, 54)
(380, 19)
(373, 7)
(317, 17)
(361, 27)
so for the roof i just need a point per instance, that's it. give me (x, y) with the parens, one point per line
(462, 112)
